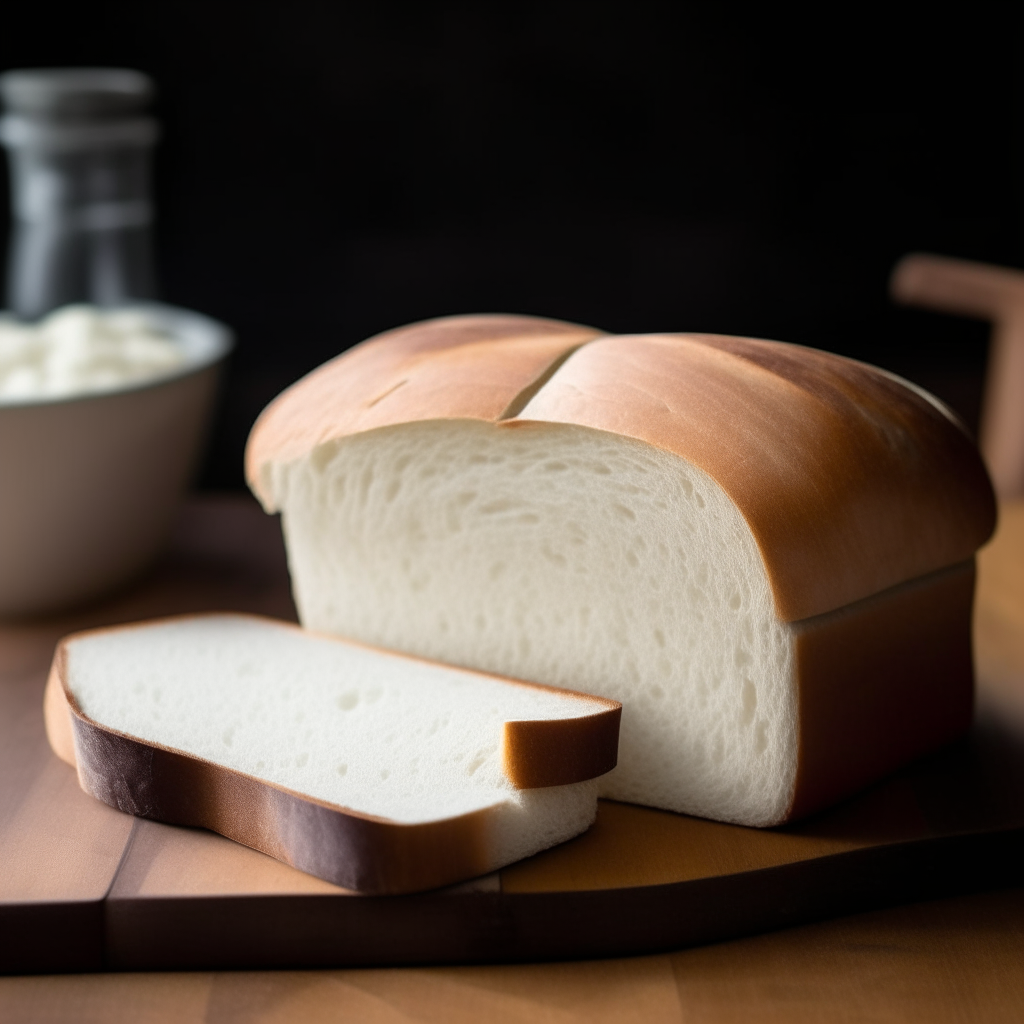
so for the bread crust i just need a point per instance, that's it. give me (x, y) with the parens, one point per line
(560, 751)
(350, 848)
(850, 480)
(466, 367)
(881, 683)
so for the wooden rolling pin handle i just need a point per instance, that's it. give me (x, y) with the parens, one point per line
(989, 293)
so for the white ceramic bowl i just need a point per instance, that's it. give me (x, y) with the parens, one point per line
(90, 485)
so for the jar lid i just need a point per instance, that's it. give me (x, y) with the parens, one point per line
(75, 94)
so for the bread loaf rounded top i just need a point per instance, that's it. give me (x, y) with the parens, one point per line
(850, 479)
(459, 367)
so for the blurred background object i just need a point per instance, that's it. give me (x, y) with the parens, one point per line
(105, 399)
(92, 483)
(78, 150)
(328, 171)
(989, 293)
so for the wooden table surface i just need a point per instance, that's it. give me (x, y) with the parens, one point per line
(957, 959)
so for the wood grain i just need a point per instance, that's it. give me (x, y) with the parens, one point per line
(949, 961)
(59, 852)
(636, 846)
(954, 961)
(167, 861)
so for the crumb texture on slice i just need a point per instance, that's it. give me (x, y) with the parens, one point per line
(379, 734)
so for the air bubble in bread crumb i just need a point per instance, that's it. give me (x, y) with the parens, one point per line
(749, 697)
(347, 701)
(553, 556)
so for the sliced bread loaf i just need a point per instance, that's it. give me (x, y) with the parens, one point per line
(764, 551)
(376, 771)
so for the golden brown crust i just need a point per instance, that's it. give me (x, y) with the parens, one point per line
(56, 713)
(349, 848)
(559, 752)
(850, 481)
(471, 367)
(881, 683)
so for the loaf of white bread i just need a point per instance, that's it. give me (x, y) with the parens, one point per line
(765, 552)
(379, 772)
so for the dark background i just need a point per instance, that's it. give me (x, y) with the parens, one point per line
(329, 171)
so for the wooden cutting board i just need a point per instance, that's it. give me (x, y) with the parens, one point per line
(83, 887)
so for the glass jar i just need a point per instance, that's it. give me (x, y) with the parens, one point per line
(79, 149)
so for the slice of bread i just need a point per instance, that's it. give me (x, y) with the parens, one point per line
(378, 772)
(765, 552)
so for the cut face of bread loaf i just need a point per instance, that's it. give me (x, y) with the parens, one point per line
(764, 552)
(375, 771)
